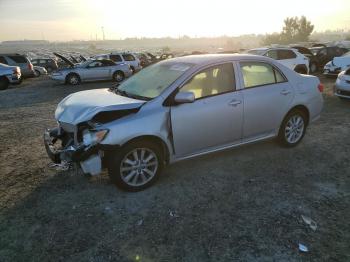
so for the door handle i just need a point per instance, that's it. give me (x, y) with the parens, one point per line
(285, 92)
(235, 102)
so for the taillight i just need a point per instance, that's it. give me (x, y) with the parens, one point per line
(30, 66)
(320, 87)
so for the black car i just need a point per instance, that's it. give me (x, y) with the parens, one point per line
(48, 63)
(324, 54)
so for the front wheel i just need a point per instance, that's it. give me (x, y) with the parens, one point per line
(37, 73)
(292, 129)
(136, 166)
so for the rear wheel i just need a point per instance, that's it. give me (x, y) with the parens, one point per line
(136, 166)
(293, 128)
(4, 83)
(73, 79)
(132, 69)
(118, 76)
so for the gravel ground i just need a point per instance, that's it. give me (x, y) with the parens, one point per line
(243, 204)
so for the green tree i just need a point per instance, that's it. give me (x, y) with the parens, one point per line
(294, 30)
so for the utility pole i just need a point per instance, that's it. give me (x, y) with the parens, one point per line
(103, 33)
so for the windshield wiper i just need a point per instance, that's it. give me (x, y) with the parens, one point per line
(126, 94)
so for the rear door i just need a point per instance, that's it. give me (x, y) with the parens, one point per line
(214, 119)
(267, 95)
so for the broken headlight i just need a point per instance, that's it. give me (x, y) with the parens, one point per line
(94, 136)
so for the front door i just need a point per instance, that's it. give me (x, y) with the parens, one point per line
(214, 119)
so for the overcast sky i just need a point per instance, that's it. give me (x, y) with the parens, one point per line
(82, 19)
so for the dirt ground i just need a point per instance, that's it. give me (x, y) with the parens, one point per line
(243, 204)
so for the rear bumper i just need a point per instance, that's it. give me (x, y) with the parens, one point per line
(89, 157)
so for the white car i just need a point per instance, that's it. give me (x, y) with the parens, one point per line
(288, 57)
(9, 75)
(342, 85)
(128, 58)
(337, 65)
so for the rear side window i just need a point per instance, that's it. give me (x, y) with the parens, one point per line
(19, 59)
(3, 60)
(115, 58)
(42, 61)
(128, 57)
(286, 54)
(259, 74)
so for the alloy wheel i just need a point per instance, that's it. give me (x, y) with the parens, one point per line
(139, 166)
(294, 129)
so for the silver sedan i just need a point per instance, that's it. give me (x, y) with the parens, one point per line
(92, 70)
(181, 108)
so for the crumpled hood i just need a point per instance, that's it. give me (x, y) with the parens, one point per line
(84, 105)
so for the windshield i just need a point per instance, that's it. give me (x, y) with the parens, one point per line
(256, 52)
(153, 80)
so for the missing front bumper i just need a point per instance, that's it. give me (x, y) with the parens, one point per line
(88, 157)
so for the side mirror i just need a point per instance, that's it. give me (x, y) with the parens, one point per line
(184, 97)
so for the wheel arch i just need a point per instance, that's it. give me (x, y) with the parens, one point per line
(72, 73)
(154, 139)
(302, 108)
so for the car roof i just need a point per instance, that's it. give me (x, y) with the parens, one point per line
(212, 58)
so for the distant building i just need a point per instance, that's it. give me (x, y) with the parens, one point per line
(25, 43)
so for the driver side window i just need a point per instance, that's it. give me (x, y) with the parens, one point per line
(212, 81)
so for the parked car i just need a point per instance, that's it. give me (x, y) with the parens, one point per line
(21, 61)
(39, 70)
(342, 85)
(49, 64)
(289, 57)
(313, 60)
(181, 108)
(92, 70)
(9, 75)
(128, 58)
(324, 54)
(337, 65)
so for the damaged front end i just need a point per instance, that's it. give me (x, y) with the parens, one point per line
(80, 145)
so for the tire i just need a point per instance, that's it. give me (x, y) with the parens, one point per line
(118, 76)
(4, 83)
(73, 79)
(313, 67)
(134, 177)
(37, 73)
(291, 121)
(132, 69)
